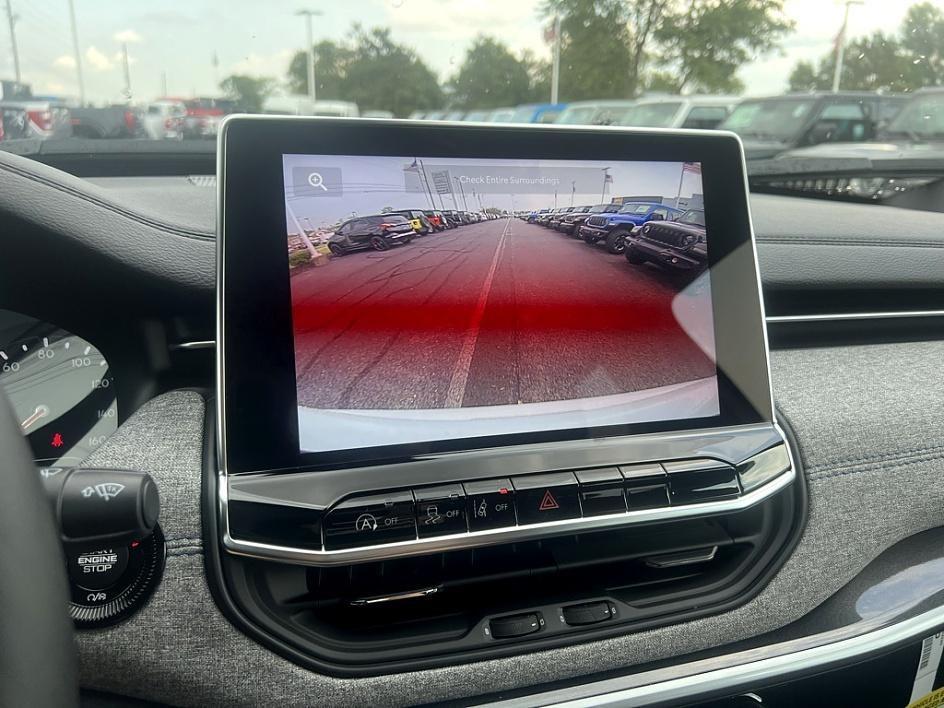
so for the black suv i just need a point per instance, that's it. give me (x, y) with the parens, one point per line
(678, 245)
(378, 232)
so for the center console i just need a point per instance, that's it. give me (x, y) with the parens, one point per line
(451, 425)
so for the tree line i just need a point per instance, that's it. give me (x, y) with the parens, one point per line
(909, 59)
(609, 49)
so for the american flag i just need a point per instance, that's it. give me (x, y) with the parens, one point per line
(691, 167)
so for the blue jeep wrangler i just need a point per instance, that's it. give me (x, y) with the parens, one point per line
(614, 228)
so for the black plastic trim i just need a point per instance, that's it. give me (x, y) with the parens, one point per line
(262, 632)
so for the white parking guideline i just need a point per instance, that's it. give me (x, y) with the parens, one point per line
(460, 374)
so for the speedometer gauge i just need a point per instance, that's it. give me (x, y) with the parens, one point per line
(59, 386)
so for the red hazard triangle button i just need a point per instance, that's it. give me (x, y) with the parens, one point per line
(548, 502)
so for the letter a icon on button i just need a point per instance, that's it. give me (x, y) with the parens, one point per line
(548, 502)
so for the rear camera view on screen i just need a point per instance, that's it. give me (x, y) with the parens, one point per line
(440, 299)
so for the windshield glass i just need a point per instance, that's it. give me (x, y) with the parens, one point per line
(633, 208)
(692, 216)
(778, 120)
(111, 77)
(650, 115)
(923, 117)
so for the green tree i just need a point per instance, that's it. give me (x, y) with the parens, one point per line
(331, 60)
(904, 62)
(806, 76)
(645, 17)
(384, 75)
(871, 63)
(539, 76)
(594, 48)
(491, 76)
(248, 91)
(618, 48)
(922, 43)
(371, 70)
(706, 41)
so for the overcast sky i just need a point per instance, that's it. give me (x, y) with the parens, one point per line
(367, 184)
(250, 36)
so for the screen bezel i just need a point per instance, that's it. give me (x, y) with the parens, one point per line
(258, 425)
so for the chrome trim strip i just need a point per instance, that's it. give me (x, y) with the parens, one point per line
(198, 344)
(740, 671)
(408, 595)
(760, 286)
(220, 315)
(853, 316)
(677, 560)
(438, 544)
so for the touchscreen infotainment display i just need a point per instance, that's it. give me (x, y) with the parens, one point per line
(446, 299)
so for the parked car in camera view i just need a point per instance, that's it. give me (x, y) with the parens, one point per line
(555, 220)
(571, 223)
(544, 219)
(565, 223)
(613, 228)
(678, 244)
(378, 232)
(418, 221)
(436, 219)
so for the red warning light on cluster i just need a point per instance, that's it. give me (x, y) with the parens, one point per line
(57, 440)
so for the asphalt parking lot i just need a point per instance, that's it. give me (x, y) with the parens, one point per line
(498, 312)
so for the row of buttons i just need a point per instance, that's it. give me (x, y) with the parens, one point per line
(500, 503)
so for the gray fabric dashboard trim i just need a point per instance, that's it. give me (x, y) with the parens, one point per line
(868, 424)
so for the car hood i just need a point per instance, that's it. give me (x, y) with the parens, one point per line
(678, 226)
(762, 149)
(871, 150)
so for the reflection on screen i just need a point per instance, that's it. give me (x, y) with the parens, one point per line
(436, 298)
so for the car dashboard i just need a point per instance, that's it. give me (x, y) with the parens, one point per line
(108, 353)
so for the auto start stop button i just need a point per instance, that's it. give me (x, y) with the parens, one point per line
(98, 569)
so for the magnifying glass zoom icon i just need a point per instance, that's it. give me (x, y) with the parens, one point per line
(317, 181)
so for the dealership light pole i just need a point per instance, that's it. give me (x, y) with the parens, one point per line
(465, 203)
(126, 70)
(606, 180)
(555, 66)
(11, 20)
(306, 241)
(841, 45)
(310, 50)
(78, 54)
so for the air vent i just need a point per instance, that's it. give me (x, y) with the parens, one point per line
(439, 608)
